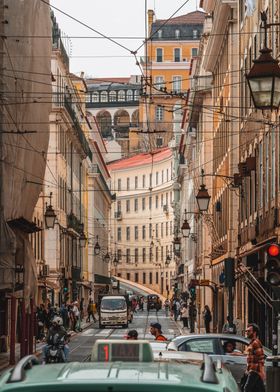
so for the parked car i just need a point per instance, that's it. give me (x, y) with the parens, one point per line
(214, 345)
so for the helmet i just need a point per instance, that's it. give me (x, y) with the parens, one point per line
(57, 320)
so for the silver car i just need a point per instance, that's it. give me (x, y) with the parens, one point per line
(215, 345)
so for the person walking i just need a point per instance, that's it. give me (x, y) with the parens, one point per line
(207, 317)
(184, 316)
(227, 328)
(155, 329)
(166, 307)
(90, 311)
(253, 378)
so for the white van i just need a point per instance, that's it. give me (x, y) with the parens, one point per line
(113, 311)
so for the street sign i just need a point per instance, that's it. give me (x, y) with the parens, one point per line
(204, 282)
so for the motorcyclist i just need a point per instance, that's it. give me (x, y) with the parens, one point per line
(57, 329)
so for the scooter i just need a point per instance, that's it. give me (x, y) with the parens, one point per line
(55, 351)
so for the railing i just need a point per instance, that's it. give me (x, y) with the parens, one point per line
(78, 129)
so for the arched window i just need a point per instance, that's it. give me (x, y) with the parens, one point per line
(104, 96)
(121, 96)
(112, 96)
(95, 97)
(129, 95)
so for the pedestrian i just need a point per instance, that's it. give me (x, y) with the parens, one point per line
(227, 328)
(76, 312)
(253, 378)
(90, 311)
(207, 317)
(155, 329)
(166, 307)
(176, 309)
(184, 316)
(132, 335)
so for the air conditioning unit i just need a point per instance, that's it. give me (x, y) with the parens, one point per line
(165, 208)
(46, 270)
(118, 215)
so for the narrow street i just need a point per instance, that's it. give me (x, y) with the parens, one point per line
(81, 344)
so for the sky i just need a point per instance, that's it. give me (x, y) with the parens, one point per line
(98, 57)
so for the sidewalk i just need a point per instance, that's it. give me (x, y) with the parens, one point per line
(4, 357)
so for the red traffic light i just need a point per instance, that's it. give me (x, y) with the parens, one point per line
(273, 250)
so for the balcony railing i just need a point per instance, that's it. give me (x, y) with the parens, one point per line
(79, 132)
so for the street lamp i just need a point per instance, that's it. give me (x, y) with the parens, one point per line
(83, 240)
(185, 228)
(50, 215)
(97, 247)
(107, 258)
(264, 77)
(203, 197)
(177, 245)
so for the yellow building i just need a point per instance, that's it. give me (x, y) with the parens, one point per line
(166, 66)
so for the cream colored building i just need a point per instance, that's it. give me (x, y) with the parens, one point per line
(142, 219)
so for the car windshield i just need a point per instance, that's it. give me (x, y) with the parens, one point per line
(113, 304)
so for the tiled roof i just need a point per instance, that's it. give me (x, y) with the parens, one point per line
(196, 17)
(141, 159)
(108, 80)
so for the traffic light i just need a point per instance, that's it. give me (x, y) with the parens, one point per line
(273, 265)
(229, 272)
(192, 288)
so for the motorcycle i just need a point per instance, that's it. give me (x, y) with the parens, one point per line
(55, 351)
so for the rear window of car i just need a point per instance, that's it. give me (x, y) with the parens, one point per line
(199, 346)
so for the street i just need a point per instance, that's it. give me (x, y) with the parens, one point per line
(81, 344)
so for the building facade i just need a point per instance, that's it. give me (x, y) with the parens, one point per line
(142, 219)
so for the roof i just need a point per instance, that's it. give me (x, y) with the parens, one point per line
(141, 159)
(196, 17)
(108, 80)
(117, 375)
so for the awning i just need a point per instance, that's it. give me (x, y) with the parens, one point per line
(101, 279)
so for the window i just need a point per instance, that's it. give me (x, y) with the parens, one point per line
(136, 95)
(156, 178)
(167, 174)
(128, 255)
(144, 255)
(127, 276)
(156, 277)
(198, 346)
(161, 230)
(161, 200)
(159, 82)
(159, 113)
(95, 97)
(177, 34)
(162, 176)
(128, 184)
(112, 96)
(136, 277)
(136, 258)
(88, 97)
(159, 141)
(143, 203)
(104, 96)
(195, 34)
(136, 182)
(127, 205)
(159, 33)
(177, 83)
(151, 180)
(143, 232)
(151, 278)
(119, 235)
(170, 230)
(144, 277)
(166, 228)
(157, 254)
(166, 198)
(261, 174)
(150, 202)
(143, 181)
(156, 201)
(121, 96)
(194, 52)
(151, 255)
(159, 55)
(129, 95)
(150, 230)
(135, 205)
(177, 55)
(136, 232)
(119, 184)
(157, 230)
(119, 206)
(119, 254)
(128, 233)
(161, 253)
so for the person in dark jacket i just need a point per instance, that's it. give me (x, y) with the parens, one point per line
(207, 317)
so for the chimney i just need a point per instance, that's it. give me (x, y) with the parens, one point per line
(151, 15)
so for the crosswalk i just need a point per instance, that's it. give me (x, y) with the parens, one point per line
(120, 333)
